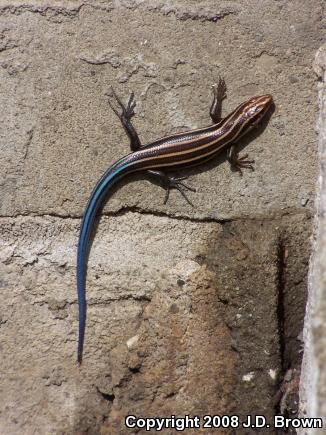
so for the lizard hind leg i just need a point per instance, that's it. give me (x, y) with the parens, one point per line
(172, 183)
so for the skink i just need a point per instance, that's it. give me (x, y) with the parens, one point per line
(169, 153)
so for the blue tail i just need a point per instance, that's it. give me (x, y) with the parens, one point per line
(111, 176)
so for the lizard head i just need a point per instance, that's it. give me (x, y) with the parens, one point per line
(255, 109)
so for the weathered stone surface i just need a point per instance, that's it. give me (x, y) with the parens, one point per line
(313, 381)
(172, 328)
(187, 313)
(59, 60)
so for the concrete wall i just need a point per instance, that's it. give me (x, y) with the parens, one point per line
(191, 310)
(313, 382)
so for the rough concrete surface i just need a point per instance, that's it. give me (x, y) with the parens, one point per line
(191, 310)
(313, 382)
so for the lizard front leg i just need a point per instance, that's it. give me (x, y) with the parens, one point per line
(219, 91)
(125, 116)
(238, 163)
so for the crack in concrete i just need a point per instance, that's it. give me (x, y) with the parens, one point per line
(28, 142)
(62, 305)
(287, 394)
(40, 8)
(280, 299)
(19, 8)
(135, 209)
(120, 212)
(182, 13)
(109, 397)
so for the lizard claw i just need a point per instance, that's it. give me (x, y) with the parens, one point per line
(127, 111)
(219, 89)
(176, 183)
(240, 163)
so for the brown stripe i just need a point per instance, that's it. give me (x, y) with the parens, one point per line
(219, 137)
(189, 147)
(186, 140)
